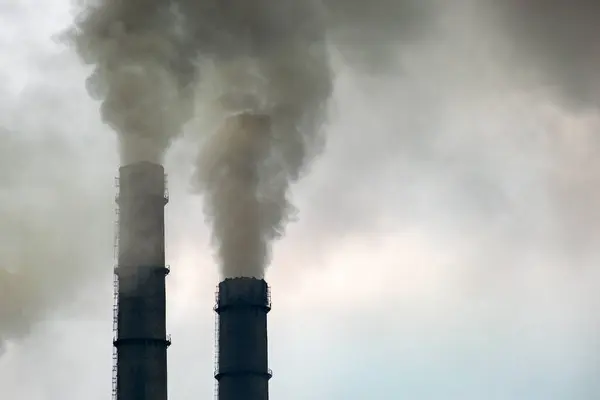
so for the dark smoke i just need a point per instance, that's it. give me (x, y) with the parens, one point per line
(368, 33)
(554, 45)
(266, 72)
(142, 71)
(558, 40)
(261, 67)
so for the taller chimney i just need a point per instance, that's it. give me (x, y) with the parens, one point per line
(242, 371)
(140, 342)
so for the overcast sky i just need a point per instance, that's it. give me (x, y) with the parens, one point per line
(445, 249)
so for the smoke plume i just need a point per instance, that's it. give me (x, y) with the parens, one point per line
(558, 40)
(142, 72)
(262, 68)
(266, 73)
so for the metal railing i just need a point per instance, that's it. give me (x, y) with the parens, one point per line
(267, 299)
(165, 193)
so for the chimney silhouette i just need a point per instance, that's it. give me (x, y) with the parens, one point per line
(241, 369)
(140, 341)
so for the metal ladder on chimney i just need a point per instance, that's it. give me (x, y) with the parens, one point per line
(216, 358)
(115, 295)
(115, 335)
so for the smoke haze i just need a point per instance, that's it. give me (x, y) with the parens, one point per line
(53, 212)
(475, 195)
(556, 41)
(368, 35)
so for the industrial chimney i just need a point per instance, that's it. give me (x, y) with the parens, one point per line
(140, 342)
(241, 370)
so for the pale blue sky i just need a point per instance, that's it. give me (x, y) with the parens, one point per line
(446, 247)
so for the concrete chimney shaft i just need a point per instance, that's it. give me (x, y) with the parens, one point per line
(242, 368)
(141, 340)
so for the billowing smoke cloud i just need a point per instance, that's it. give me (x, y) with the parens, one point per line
(142, 72)
(263, 71)
(558, 41)
(266, 73)
(230, 173)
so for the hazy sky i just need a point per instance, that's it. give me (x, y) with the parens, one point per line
(446, 247)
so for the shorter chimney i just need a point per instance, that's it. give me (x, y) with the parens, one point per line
(242, 370)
